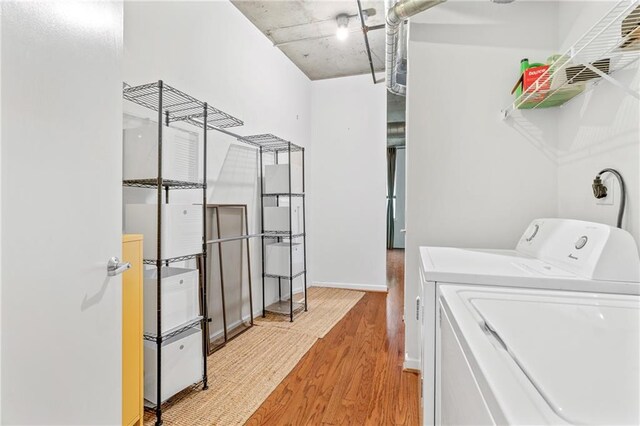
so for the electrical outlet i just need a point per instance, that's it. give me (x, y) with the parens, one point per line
(611, 192)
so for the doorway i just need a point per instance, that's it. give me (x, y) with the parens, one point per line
(399, 199)
(396, 175)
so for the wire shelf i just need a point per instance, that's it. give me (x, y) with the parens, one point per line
(283, 194)
(151, 407)
(612, 44)
(215, 119)
(270, 143)
(284, 276)
(282, 234)
(171, 184)
(178, 105)
(172, 259)
(175, 331)
(283, 307)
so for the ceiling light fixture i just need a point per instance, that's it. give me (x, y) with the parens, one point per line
(343, 26)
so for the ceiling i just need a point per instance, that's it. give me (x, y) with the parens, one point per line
(305, 30)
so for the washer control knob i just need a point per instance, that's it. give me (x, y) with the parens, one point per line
(536, 228)
(582, 241)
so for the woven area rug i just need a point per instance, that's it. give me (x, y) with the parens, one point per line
(250, 367)
(326, 306)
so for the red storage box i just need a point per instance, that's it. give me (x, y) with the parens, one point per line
(529, 78)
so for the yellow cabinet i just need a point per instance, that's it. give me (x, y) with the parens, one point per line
(132, 341)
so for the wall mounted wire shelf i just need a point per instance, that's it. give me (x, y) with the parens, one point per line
(611, 45)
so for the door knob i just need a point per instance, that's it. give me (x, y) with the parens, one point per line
(115, 267)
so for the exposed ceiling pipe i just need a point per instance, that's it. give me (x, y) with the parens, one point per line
(366, 41)
(396, 130)
(396, 15)
(400, 74)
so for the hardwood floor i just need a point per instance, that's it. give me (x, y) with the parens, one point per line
(353, 376)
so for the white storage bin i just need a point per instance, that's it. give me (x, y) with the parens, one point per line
(276, 179)
(181, 364)
(181, 228)
(277, 258)
(277, 219)
(180, 153)
(180, 301)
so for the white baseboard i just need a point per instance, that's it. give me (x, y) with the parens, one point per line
(411, 364)
(348, 286)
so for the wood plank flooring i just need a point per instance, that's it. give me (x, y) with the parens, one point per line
(353, 376)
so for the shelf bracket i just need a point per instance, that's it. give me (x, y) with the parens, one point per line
(612, 80)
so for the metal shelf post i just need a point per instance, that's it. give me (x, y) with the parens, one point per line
(304, 236)
(261, 184)
(290, 237)
(205, 302)
(159, 267)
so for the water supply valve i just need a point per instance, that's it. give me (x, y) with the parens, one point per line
(599, 190)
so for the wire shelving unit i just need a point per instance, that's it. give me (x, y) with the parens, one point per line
(268, 144)
(173, 105)
(273, 145)
(611, 45)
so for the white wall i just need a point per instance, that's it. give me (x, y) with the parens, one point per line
(473, 180)
(596, 130)
(211, 51)
(347, 165)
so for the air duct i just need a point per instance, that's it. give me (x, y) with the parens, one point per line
(396, 130)
(396, 15)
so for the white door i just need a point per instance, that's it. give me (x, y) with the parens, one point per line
(61, 212)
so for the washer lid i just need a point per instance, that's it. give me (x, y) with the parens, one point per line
(582, 355)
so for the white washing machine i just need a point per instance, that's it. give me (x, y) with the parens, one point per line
(537, 357)
(495, 297)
